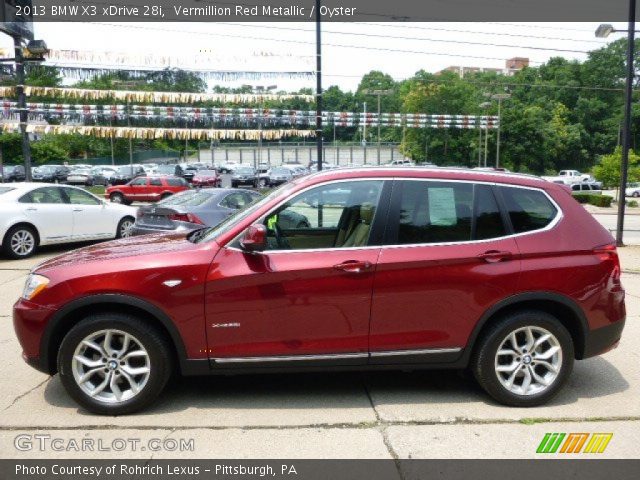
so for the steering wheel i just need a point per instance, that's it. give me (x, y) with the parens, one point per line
(281, 240)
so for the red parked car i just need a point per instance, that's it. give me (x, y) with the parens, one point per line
(206, 178)
(415, 268)
(146, 189)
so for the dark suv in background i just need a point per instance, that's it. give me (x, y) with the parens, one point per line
(50, 173)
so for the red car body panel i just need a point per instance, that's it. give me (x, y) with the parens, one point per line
(146, 192)
(288, 304)
(297, 303)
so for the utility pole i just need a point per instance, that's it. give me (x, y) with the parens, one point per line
(480, 141)
(319, 90)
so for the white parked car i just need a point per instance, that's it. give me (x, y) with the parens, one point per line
(405, 162)
(35, 214)
(632, 190)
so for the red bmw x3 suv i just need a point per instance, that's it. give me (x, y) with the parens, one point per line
(395, 268)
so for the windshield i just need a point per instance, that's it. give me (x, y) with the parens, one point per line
(212, 233)
(280, 171)
(166, 169)
(244, 170)
(207, 172)
(125, 170)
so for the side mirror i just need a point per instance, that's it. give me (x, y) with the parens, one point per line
(254, 238)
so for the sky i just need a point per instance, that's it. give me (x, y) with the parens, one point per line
(349, 49)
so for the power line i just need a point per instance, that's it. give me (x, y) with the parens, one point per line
(504, 34)
(302, 42)
(421, 39)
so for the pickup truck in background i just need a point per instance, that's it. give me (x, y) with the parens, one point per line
(569, 177)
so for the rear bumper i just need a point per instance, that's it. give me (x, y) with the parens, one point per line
(603, 339)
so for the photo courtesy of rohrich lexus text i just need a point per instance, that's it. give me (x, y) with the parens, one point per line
(313, 239)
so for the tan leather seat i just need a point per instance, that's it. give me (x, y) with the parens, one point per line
(360, 234)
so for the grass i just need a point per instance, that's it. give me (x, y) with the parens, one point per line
(96, 190)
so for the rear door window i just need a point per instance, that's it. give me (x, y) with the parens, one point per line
(46, 195)
(432, 212)
(528, 209)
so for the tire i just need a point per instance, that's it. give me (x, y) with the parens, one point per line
(263, 183)
(303, 224)
(117, 197)
(20, 241)
(486, 360)
(124, 227)
(165, 195)
(154, 367)
(636, 194)
(234, 185)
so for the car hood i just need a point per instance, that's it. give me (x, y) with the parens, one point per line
(135, 248)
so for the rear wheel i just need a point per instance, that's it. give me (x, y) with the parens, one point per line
(20, 242)
(116, 197)
(114, 364)
(524, 359)
(263, 182)
(165, 195)
(124, 227)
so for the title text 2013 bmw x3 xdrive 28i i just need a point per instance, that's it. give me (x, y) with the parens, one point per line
(412, 268)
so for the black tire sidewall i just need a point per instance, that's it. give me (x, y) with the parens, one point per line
(483, 363)
(6, 242)
(154, 343)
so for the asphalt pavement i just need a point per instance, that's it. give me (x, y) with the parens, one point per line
(428, 414)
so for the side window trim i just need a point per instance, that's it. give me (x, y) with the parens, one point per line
(504, 211)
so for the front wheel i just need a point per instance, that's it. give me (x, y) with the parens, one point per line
(116, 197)
(20, 242)
(114, 364)
(263, 182)
(524, 359)
(636, 194)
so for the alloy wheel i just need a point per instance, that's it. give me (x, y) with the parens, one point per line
(111, 366)
(22, 242)
(125, 228)
(528, 360)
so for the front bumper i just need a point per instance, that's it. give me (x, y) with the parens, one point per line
(29, 322)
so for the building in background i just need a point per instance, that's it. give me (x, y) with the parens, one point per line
(512, 66)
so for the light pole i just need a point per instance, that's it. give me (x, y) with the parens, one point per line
(379, 94)
(485, 106)
(319, 94)
(36, 50)
(604, 31)
(261, 90)
(499, 97)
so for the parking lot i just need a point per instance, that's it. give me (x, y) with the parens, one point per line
(430, 414)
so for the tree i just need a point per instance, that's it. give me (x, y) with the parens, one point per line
(608, 170)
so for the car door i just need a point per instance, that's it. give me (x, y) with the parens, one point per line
(137, 190)
(91, 219)
(447, 258)
(48, 209)
(307, 296)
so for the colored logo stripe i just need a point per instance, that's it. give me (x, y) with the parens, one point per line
(550, 443)
(598, 442)
(574, 443)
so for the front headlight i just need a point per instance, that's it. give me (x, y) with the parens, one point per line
(34, 285)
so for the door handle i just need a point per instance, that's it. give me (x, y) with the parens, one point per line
(495, 256)
(353, 266)
(32, 209)
(77, 209)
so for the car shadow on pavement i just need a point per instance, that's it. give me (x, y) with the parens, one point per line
(593, 378)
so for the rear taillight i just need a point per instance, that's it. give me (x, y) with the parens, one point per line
(185, 217)
(609, 252)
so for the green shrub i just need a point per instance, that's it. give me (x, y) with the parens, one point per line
(632, 203)
(597, 200)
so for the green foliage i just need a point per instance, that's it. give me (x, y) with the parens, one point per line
(608, 170)
(632, 203)
(597, 200)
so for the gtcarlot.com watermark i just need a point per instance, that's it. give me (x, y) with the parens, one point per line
(42, 442)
